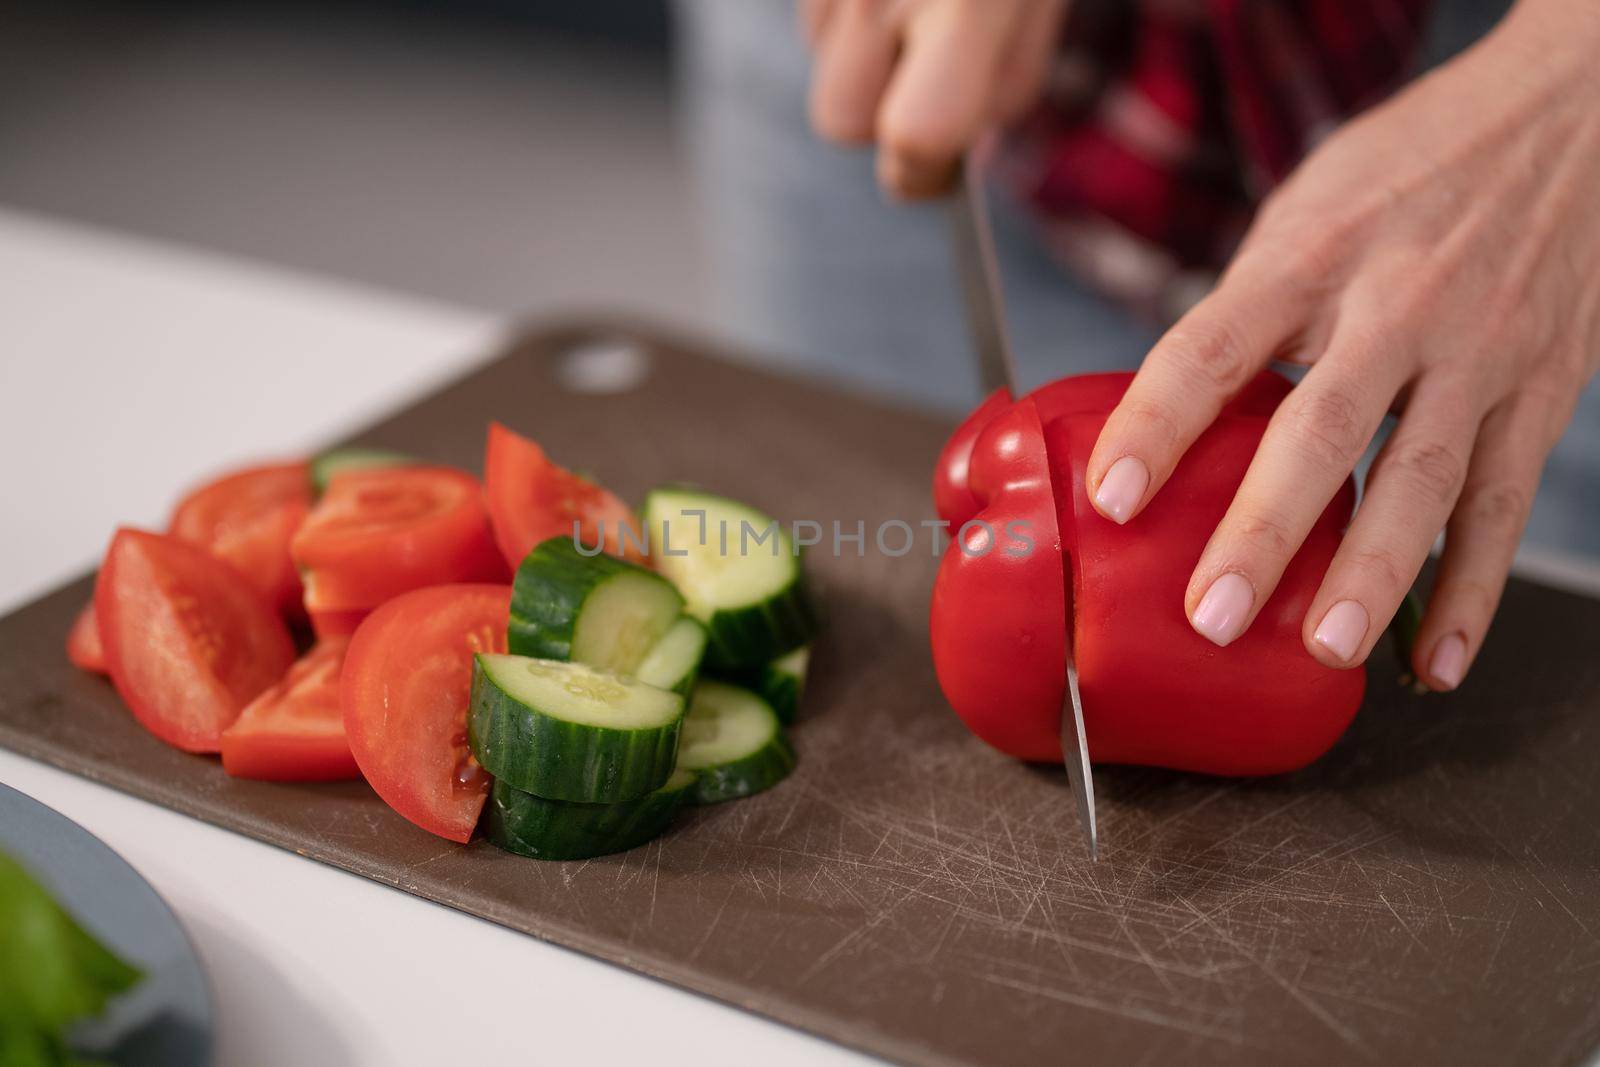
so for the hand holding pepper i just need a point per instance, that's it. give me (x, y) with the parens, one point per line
(1440, 257)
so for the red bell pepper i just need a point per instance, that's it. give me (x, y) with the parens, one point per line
(1154, 691)
(999, 605)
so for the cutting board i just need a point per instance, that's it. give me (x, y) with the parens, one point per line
(1428, 893)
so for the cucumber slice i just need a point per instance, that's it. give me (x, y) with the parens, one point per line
(530, 825)
(733, 741)
(335, 460)
(567, 731)
(738, 572)
(674, 662)
(782, 682)
(595, 610)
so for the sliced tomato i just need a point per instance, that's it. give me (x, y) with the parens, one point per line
(188, 641)
(247, 519)
(532, 499)
(404, 692)
(378, 532)
(294, 732)
(332, 622)
(83, 642)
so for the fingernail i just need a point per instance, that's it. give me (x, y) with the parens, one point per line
(1122, 488)
(1223, 610)
(1343, 629)
(1449, 662)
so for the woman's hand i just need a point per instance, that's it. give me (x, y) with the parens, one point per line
(923, 78)
(1439, 256)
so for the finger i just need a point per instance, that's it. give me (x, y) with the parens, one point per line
(814, 15)
(1311, 445)
(855, 57)
(1482, 537)
(1410, 492)
(1183, 383)
(1022, 71)
(939, 98)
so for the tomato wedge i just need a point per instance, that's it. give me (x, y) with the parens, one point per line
(532, 499)
(247, 519)
(404, 692)
(333, 622)
(378, 532)
(83, 642)
(188, 641)
(294, 732)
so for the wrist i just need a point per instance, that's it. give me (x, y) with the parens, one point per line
(1557, 36)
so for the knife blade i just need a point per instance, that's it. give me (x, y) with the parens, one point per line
(979, 270)
(1075, 753)
(980, 279)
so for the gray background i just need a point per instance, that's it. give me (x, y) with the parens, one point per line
(508, 157)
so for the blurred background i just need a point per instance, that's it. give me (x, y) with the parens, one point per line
(506, 156)
(514, 156)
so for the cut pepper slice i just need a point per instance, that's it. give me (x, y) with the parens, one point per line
(999, 608)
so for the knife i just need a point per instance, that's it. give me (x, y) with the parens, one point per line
(980, 287)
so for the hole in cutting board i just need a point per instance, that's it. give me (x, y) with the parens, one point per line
(602, 367)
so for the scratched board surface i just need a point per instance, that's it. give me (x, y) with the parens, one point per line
(1429, 893)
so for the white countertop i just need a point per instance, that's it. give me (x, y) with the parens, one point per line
(130, 370)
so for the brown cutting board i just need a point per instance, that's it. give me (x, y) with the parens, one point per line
(1428, 893)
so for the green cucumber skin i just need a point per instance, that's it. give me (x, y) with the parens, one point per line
(685, 687)
(548, 593)
(325, 465)
(782, 685)
(544, 829)
(742, 638)
(561, 760)
(759, 771)
(781, 690)
(750, 635)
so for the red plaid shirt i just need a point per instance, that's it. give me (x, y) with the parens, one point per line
(1166, 122)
